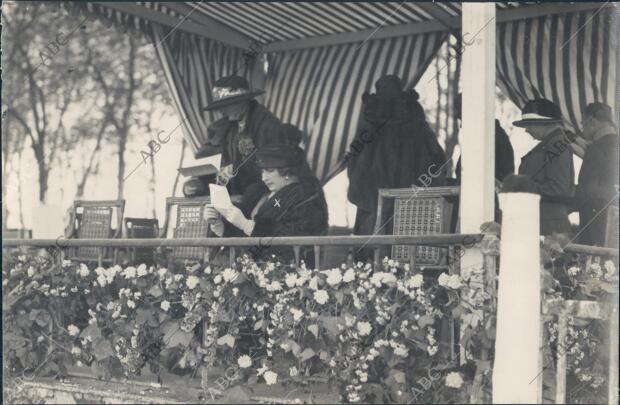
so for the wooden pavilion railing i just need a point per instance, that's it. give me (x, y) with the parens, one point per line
(373, 241)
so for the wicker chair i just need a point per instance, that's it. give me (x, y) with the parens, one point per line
(95, 222)
(139, 228)
(189, 223)
(417, 212)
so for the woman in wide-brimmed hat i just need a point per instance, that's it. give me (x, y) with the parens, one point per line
(245, 127)
(549, 164)
(288, 202)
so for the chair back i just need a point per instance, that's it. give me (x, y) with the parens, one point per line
(141, 228)
(190, 223)
(95, 222)
(18, 234)
(417, 211)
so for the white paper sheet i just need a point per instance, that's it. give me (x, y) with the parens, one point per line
(219, 196)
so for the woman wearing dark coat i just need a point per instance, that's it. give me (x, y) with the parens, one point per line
(288, 202)
(394, 148)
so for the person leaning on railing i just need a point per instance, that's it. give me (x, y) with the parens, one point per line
(288, 202)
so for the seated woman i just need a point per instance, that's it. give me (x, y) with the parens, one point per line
(288, 202)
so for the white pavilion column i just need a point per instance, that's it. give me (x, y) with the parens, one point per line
(517, 366)
(477, 136)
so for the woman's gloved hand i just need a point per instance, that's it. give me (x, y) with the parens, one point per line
(224, 175)
(214, 219)
(236, 217)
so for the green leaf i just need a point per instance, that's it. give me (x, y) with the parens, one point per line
(174, 336)
(398, 375)
(91, 330)
(294, 347)
(306, 354)
(323, 355)
(315, 330)
(102, 348)
(339, 296)
(330, 323)
(226, 340)
(40, 316)
(425, 320)
(155, 291)
(258, 325)
(458, 311)
(146, 315)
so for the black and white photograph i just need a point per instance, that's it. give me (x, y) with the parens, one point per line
(313, 202)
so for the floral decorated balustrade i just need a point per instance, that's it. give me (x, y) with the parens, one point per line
(252, 332)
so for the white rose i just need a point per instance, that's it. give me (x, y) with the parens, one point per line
(129, 272)
(348, 276)
(275, 286)
(454, 380)
(142, 271)
(217, 279)
(297, 314)
(334, 277)
(131, 304)
(66, 263)
(208, 270)
(162, 272)
(364, 328)
(270, 377)
(293, 372)
(443, 279)
(229, 274)
(235, 291)
(178, 277)
(314, 283)
(73, 330)
(455, 282)
(101, 279)
(291, 280)
(415, 281)
(610, 267)
(363, 376)
(30, 271)
(165, 305)
(321, 296)
(192, 282)
(244, 361)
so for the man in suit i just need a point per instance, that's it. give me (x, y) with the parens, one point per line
(598, 177)
(549, 164)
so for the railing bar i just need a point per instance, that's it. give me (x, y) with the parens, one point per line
(358, 240)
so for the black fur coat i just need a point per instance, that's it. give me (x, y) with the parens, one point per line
(298, 209)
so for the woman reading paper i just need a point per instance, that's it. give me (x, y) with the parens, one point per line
(288, 202)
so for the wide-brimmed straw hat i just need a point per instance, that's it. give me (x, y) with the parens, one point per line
(539, 111)
(230, 90)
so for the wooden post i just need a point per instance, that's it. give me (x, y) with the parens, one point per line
(517, 376)
(612, 382)
(317, 257)
(477, 136)
(560, 369)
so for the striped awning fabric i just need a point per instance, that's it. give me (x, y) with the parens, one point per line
(320, 89)
(567, 58)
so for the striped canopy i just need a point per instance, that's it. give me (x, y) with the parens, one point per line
(322, 56)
